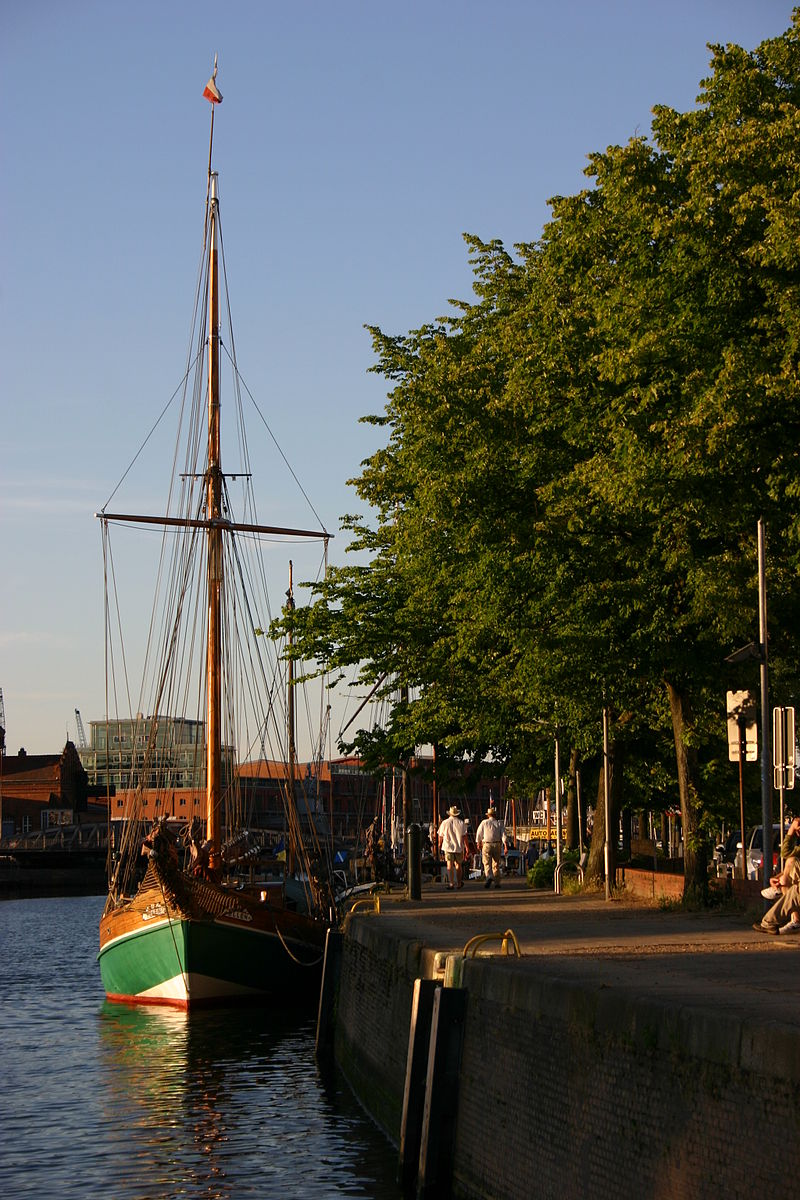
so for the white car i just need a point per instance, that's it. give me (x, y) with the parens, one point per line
(755, 850)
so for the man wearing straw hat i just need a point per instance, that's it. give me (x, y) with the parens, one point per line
(491, 836)
(451, 843)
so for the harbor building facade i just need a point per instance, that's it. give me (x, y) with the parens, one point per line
(40, 791)
(146, 752)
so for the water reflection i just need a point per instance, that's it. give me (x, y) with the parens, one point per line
(107, 1102)
(229, 1102)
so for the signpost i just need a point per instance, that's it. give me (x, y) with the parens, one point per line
(756, 652)
(783, 756)
(742, 746)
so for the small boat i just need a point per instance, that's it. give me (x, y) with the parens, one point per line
(190, 917)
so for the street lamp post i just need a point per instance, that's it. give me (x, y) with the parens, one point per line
(606, 806)
(766, 745)
(558, 804)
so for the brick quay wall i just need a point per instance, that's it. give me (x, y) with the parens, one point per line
(583, 1083)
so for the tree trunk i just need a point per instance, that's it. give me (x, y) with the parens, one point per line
(695, 853)
(572, 803)
(595, 867)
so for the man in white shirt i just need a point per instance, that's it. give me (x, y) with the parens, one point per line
(451, 843)
(491, 837)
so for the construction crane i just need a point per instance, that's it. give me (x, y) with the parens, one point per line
(82, 743)
(2, 724)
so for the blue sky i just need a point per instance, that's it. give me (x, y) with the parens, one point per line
(356, 143)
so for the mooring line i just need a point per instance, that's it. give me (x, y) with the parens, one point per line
(294, 957)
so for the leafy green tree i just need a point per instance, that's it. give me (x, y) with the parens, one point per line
(564, 514)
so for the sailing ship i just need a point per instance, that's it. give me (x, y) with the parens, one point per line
(191, 918)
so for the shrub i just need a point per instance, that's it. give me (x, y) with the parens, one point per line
(542, 873)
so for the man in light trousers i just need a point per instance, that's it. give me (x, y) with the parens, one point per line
(490, 838)
(451, 843)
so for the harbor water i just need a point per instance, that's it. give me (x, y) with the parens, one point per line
(132, 1103)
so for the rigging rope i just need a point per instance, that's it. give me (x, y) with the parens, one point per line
(172, 933)
(155, 426)
(175, 637)
(272, 435)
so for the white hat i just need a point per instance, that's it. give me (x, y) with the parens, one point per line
(455, 811)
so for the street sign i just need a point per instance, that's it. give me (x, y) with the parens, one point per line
(783, 748)
(742, 727)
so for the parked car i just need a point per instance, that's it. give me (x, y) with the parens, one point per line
(755, 850)
(726, 852)
(727, 856)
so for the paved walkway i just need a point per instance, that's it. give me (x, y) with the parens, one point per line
(712, 960)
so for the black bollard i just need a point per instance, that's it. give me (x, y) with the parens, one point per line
(414, 861)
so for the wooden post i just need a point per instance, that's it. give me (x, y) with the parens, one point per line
(441, 1094)
(331, 971)
(419, 1037)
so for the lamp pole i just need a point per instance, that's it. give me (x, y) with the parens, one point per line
(766, 744)
(606, 806)
(558, 803)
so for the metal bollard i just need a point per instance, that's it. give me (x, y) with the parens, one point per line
(414, 861)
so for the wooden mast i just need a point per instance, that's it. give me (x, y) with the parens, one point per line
(215, 565)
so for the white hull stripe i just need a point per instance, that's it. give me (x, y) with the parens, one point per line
(201, 987)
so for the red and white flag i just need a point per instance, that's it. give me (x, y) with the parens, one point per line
(212, 92)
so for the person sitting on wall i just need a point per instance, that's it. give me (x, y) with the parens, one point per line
(491, 836)
(451, 843)
(790, 854)
(784, 916)
(784, 888)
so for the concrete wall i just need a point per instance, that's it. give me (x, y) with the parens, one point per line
(373, 1015)
(570, 1092)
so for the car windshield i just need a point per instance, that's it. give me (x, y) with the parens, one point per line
(757, 841)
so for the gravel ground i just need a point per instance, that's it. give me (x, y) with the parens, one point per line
(711, 960)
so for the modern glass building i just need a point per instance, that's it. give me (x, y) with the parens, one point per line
(146, 752)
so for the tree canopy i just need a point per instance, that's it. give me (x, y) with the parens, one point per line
(564, 513)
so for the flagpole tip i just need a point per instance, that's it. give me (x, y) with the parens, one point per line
(211, 91)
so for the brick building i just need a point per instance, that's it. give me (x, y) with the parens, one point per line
(41, 790)
(339, 795)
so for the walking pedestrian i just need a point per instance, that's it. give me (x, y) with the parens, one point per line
(451, 843)
(491, 837)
